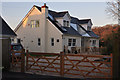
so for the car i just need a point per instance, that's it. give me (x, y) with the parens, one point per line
(16, 47)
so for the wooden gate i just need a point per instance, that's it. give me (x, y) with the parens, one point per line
(86, 66)
(43, 62)
(18, 61)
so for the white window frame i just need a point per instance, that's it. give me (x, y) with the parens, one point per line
(72, 43)
(33, 23)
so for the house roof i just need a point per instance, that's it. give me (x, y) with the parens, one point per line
(84, 21)
(92, 34)
(71, 31)
(6, 30)
(54, 13)
(77, 21)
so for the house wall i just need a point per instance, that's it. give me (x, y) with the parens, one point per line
(53, 32)
(45, 32)
(65, 41)
(29, 35)
(81, 31)
(60, 20)
(90, 25)
(97, 42)
(86, 26)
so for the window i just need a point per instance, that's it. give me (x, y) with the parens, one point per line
(71, 42)
(94, 42)
(74, 42)
(18, 41)
(57, 40)
(67, 23)
(39, 42)
(52, 41)
(34, 23)
(64, 23)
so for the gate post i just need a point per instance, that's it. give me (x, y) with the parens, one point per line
(111, 61)
(23, 61)
(62, 63)
(27, 60)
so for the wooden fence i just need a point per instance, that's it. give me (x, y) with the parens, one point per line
(87, 66)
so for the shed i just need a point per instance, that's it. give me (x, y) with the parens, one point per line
(6, 33)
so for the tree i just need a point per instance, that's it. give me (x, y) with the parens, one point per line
(113, 9)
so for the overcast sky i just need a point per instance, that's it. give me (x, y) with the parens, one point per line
(14, 12)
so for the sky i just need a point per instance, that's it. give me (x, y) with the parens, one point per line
(14, 12)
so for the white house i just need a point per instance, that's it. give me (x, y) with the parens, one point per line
(44, 30)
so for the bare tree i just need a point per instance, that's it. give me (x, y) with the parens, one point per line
(113, 9)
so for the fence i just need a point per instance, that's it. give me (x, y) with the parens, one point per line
(87, 66)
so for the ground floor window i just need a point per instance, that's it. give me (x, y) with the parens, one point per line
(71, 42)
(93, 42)
(18, 40)
(52, 41)
(39, 42)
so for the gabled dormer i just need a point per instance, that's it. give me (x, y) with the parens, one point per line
(66, 20)
(62, 17)
(86, 23)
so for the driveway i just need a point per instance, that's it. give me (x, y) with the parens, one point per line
(6, 75)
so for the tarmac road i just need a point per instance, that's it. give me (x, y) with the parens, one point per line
(6, 75)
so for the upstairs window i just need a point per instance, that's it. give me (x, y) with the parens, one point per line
(39, 42)
(67, 23)
(34, 23)
(71, 42)
(52, 41)
(64, 23)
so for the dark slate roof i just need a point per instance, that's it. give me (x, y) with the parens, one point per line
(71, 31)
(54, 22)
(84, 21)
(6, 30)
(54, 13)
(74, 20)
(77, 21)
(92, 34)
(67, 30)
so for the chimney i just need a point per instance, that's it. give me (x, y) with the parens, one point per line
(44, 10)
(44, 15)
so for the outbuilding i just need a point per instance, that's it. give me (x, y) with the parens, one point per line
(6, 33)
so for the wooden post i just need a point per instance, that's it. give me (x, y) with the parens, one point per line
(27, 60)
(62, 63)
(111, 61)
(23, 61)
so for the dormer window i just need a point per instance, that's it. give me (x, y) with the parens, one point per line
(34, 23)
(65, 23)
